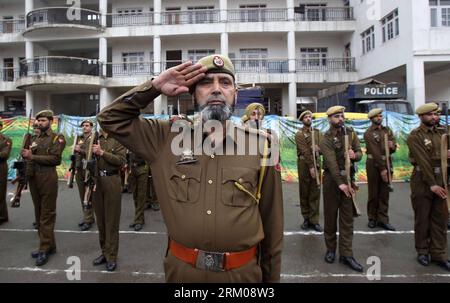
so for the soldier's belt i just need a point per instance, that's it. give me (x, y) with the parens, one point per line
(436, 170)
(369, 156)
(211, 261)
(107, 173)
(43, 168)
(301, 157)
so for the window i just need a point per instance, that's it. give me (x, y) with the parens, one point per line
(201, 14)
(312, 58)
(253, 12)
(129, 11)
(253, 59)
(315, 12)
(133, 63)
(390, 26)
(196, 54)
(368, 40)
(440, 13)
(172, 15)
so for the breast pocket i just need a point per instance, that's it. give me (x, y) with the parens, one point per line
(185, 183)
(239, 186)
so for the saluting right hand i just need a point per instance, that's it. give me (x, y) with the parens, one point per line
(439, 191)
(177, 80)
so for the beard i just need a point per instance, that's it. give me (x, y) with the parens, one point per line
(219, 112)
(376, 122)
(44, 128)
(307, 123)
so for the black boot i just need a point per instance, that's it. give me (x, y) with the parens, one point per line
(351, 262)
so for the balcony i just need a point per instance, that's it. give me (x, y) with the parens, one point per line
(190, 17)
(58, 72)
(257, 15)
(324, 14)
(138, 19)
(67, 20)
(8, 77)
(326, 64)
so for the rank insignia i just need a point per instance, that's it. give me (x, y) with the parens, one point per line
(187, 157)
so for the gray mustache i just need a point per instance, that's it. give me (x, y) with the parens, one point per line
(216, 98)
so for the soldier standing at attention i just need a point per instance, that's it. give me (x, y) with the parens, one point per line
(5, 150)
(44, 155)
(337, 195)
(308, 186)
(81, 149)
(428, 195)
(377, 171)
(29, 171)
(107, 197)
(223, 211)
(139, 183)
(254, 113)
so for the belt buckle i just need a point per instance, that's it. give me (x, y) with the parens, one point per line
(102, 173)
(437, 170)
(211, 261)
(343, 173)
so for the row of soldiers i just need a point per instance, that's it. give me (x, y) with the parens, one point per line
(428, 188)
(43, 154)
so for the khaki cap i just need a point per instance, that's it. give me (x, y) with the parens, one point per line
(218, 64)
(427, 108)
(306, 112)
(87, 121)
(46, 113)
(374, 112)
(335, 110)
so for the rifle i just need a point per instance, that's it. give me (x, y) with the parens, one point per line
(90, 167)
(73, 160)
(314, 154)
(387, 153)
(21, 168)
(348, 165)
(127, 172)
(444, 148)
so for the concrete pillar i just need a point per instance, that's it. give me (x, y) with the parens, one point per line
(224, 43)
(106, 97)
(2, 103)
(223, 4)
(285, 100)
(29, 102)
(290, 10)
(29, 6)
(157, 103)
(416, 82)
(291, 50)
(29, 50)
(292, 111)
(103, 9)
(103, 54)
(157, 11)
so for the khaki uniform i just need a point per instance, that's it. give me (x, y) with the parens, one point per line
(83, 141)
(202, 206)
(151, 193)
(430, 211)
(46, 155)
(5, 150)
(139, 186)
(107, 196)
(308, 187)
(378, 200)
(335, 202)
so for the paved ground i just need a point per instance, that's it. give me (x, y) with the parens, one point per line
(141, 253)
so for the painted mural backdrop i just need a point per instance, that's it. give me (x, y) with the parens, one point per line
(285, 127)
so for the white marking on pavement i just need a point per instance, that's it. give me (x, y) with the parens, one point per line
(86, 232)
(330, 275)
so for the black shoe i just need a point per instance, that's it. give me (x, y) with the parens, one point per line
(35, 254)
(132, 225)
(35, 226)
(330, 256)
(423, 260)
(81, 223)
(85, 226)
(305, 224)
(154, 206)
(351, 262)
(372, 223)
(99, 260)
(111, 266)
(443, 264)
(386, 226)
(316, 227)
(42, 258)
(138, 227)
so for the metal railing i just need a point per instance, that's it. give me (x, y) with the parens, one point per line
(9, 74)
(326, 64)
(59, 65)
(261, 65)
(12, 26)
(190, 17)
(324, 14)
(63, 15)
(257, 15)
(129, 69)
(135, 19)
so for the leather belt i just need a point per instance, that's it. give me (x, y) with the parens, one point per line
(107, 173)
(42, 168)
(436, 170)
(369, 156)
(211, 261)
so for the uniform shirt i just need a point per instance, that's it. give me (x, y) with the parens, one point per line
(47, 148)
(113, 157)
(201, 204)
(303, 140)
(424, 145)
(374, 138)
(5, 147)
(137, 164)
(332, 148)
(83, 141)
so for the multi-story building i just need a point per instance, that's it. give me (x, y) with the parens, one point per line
(71, 56)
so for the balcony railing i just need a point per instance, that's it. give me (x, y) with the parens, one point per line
(63, 15)
(190, 17)
(326, 64)
(129, 69)
(119, 19)
(59, 65)
(9, 74)
(12, 26)
(257, 15)
(261, 65)
(324, 14)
